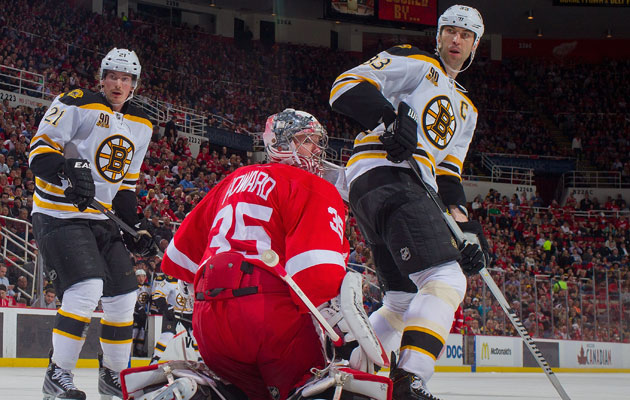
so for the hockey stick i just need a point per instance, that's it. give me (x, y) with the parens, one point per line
(95, 204)
(496, 292)
(271, 259)
(121, 224)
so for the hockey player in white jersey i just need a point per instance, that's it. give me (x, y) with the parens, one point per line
(174, 300)
(89, 146)
(416, 256)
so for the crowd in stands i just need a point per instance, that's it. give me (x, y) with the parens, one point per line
(554, 262)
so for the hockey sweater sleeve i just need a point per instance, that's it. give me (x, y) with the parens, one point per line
(364, 91)
(55, 130)
(316, 247)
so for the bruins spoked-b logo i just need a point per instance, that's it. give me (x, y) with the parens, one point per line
(113, 158)
(439, 123)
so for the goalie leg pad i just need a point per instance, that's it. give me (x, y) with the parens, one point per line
(351, 306)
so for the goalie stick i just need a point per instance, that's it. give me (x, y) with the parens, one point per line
(271, 259)
(496, 292)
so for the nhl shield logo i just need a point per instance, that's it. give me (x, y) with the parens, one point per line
(274, 392)
(52, 274)
(405, 254)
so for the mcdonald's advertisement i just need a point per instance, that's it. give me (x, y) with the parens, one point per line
(498, 351)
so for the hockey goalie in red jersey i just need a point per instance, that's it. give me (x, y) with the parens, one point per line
(251, 328)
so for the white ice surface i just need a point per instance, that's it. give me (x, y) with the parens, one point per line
(26, 383)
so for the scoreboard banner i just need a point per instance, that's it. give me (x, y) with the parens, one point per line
(592, 3)
(423, 12)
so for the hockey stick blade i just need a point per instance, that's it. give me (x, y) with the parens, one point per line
(271, 259)
(494, 289)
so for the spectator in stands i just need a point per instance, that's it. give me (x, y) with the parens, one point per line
(50, 299)
(21, 290)
(5, 299)
(4, 280)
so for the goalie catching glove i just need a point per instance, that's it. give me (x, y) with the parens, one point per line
(474, 249)
(143, 244)
(401, 132)
(81, 189)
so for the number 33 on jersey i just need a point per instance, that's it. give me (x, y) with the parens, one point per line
(274, 206)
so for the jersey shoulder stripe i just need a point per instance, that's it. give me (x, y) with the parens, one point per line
(406, 50)
(137, 114)
(82, 97)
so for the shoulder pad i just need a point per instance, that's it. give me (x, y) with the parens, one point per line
(79, 97)
(171, 279)
(406, 50)
(159, 277)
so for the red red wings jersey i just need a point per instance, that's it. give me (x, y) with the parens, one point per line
(274, 206)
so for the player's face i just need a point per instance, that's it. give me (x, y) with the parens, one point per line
(117, 86)
(455, 45)
(308, 145)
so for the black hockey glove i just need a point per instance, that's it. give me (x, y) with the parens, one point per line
(143, 244)
(401, 132)
(80, 190)
(474, 250)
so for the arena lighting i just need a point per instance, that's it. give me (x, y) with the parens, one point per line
(608, 33)
(530, 15)
(539, 32)
(212, 4)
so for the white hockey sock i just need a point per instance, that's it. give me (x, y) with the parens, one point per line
(430, 316)
(72, 321)
(116, 330)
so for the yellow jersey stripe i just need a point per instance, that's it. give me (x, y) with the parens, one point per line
(442, 171)
(73, 316)
(60, 207)
(139, 120)
(48, 140)
(427, 59)
(135, 176)
(342, 84)
(454, 160)
(418, 349)
(42, 150)
(97, 106)
(367, 139)
(49, 187)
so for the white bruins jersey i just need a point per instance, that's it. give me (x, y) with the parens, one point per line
(447, 118)
(144, 294)
(81, 124)
(165, 286)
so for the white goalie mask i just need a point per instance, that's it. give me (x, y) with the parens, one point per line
(122, 60)
(296, 138)
(462, 17)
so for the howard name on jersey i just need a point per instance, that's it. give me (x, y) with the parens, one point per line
(274, 206)
(81, 124)
(446, 116)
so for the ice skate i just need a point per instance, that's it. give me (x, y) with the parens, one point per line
(58, 384)
(108, 381)
(408, 386)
